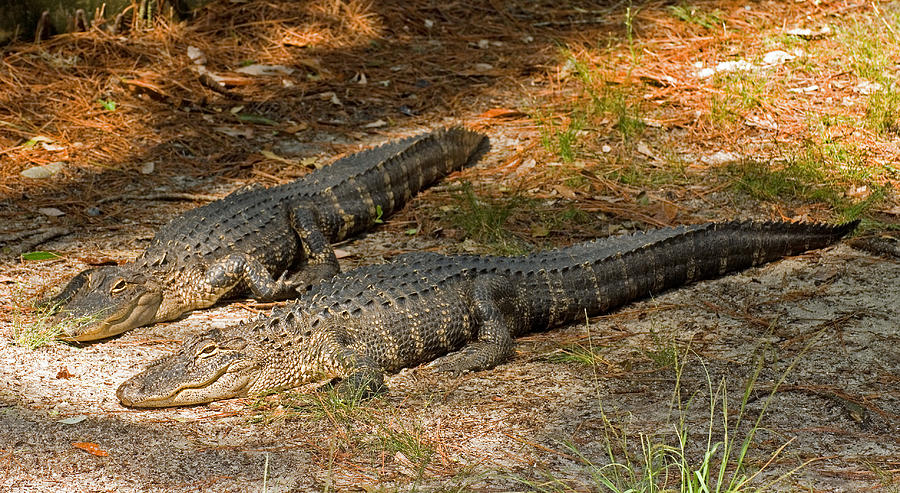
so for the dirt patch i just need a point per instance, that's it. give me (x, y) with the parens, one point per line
(818, 331)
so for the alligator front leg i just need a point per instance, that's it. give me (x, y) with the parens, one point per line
(229, 271)
(321, 263)
(364, 380)
(360, 376)
(494, 299)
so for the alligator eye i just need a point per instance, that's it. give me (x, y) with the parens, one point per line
(208, 351)
(119, 286)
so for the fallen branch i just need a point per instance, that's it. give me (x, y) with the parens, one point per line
(34, 238)
(199, 197)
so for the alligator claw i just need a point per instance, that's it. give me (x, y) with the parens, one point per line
(285, 287)
(311, 275)
(456, 363)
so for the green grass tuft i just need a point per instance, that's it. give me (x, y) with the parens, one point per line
(35, 334)
(330, 402)
(598, 103)
(868, 55)
(361, 427)
(578, 353)
(693, 15)
(40, 328)
(657, 465)
(883, 111)
(820, 171)
(742, 92)
(484, 220)
(561, 141)
(606, 100)
(639, 174)
(791, 181)
(664, 352)
(395, 437)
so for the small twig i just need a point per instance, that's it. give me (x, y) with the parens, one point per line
(571, 22)
(161, 196)
(539, 446)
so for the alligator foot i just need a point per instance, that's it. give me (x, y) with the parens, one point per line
(474, 357)
(309, 276)
(360, 386)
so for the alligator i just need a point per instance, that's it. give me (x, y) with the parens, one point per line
(270, 243)
(459, 312)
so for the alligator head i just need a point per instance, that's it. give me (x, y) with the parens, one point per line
(239, 361)
(106, 301)
(209, 367)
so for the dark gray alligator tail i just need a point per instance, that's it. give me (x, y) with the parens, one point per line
(393, 173)
(426, 160)
(599, 276)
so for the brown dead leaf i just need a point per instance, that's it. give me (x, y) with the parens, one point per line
(565, 191)
(666, 213)
(91, 448)
(64, 373)
(501, 113)
(295, 127)
(144, 87)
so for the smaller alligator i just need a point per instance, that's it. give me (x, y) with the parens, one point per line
(464, 309)
(267, 242)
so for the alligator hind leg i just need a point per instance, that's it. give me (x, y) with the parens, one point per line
(494, 299)
(321, 262)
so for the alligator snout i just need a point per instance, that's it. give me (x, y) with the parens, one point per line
(127, 392)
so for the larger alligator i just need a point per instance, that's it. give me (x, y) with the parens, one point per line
(268, 242)
(468, 309)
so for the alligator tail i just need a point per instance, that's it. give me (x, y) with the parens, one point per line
(425, 161)
(597, 276)
(386, 177)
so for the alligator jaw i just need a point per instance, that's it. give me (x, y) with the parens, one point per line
(133, 313)
(226, 384)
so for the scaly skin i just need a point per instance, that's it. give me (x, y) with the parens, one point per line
(270, 243)
(468, 309)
